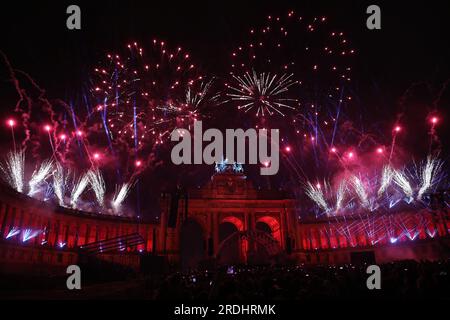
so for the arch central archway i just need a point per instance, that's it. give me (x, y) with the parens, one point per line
(234, 250)
(269, 226)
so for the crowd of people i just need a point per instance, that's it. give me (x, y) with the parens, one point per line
(399, 280)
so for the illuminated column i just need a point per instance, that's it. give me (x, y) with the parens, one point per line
(251, 226)
(215, 231)
(12, 221)
(77, 232)
(4, 221)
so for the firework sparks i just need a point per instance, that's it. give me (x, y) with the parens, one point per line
(386, 179)
(402, 181)
(428, 175)
(78, 188)
(120, 195)
(40, 175)
(340, 195)
(14, 170)
(361, 192)
(60, 179)
(263, 92)
(315, 193)
(98, 185)
(146, 94)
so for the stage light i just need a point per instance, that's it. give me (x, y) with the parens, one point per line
(13, 232)
(29, 234)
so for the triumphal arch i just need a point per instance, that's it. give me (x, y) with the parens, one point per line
(227, 220)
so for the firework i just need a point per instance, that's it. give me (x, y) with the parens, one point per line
(98, 185)
(14, 170)
(60, 180)
(340, 195)
(386, 179)
(361, 192)
(120, 195)
(263, 92)
(146, 94)
(401, 180)
(428, 175)
(315, 193)
(303, 51)
(40, 175)
(78, 188)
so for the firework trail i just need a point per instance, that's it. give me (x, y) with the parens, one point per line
(39, 176)
(120, 195)
(14, 170)
(315, 193)
(386, 179)
(60, 181)
(198, 99)
(401, 179)
(361, 192)
(78, 188)
(98, 185)
(428, 174)
(340, 195)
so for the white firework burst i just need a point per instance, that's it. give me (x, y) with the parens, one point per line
(120, 195)
(39, 176)
(402, 181)
(386, 179)
(428, 175)
(98, 185)
(361, 193)
(14, 170)
(316, 194)
(195, 98)
(263, 92)
(60, 180)
(340, 195)
(78, 188)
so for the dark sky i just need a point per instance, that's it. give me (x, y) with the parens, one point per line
(412, 47)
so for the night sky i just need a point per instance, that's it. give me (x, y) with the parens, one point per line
(412, 47)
